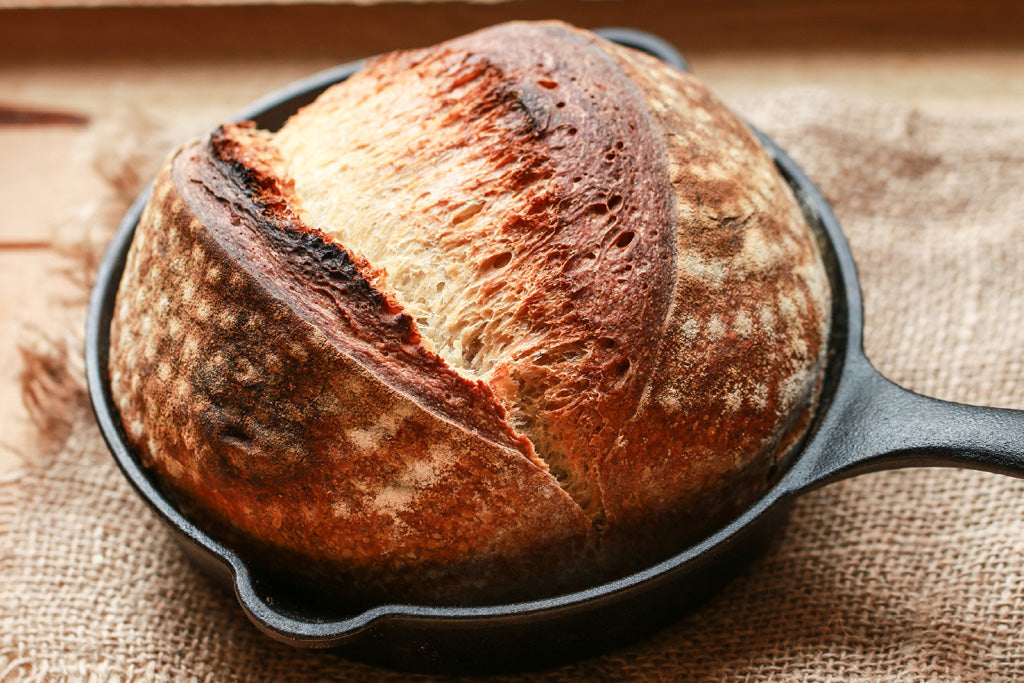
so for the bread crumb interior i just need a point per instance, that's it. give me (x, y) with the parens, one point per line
(408, 191)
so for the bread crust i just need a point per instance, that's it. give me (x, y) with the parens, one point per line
(743, 347)
(672, 305)
(259, 423)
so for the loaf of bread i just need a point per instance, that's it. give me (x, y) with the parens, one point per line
(487, 321)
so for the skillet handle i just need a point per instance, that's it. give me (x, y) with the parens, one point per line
(874, 424)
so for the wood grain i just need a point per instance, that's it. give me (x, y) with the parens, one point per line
(195, 32)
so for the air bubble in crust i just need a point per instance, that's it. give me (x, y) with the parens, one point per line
(623, 240)
(466, 212)
(501, 260)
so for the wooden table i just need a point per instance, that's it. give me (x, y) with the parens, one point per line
(66, 72)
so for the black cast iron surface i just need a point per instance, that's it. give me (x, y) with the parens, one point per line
(864, 423)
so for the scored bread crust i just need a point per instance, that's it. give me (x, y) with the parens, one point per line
(261, 425)
(664, 314)
(733, 388)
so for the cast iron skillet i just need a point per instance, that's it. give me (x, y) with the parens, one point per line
(864, 423)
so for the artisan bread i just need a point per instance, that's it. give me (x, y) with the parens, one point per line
(487, 321)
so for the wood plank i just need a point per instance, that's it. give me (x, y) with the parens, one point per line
(348, 30)
(48, 183)
(970, 82)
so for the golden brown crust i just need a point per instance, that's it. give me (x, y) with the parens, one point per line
(744, 342)
(249, 211)
(596, 234)
(267, 427)
(669, 304)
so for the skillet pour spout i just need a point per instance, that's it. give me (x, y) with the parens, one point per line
(863, 423)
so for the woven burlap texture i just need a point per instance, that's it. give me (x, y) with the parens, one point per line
(912, 575)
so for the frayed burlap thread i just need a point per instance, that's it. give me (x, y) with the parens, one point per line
(915, 575)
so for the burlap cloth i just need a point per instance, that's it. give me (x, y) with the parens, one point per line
(896, 576)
